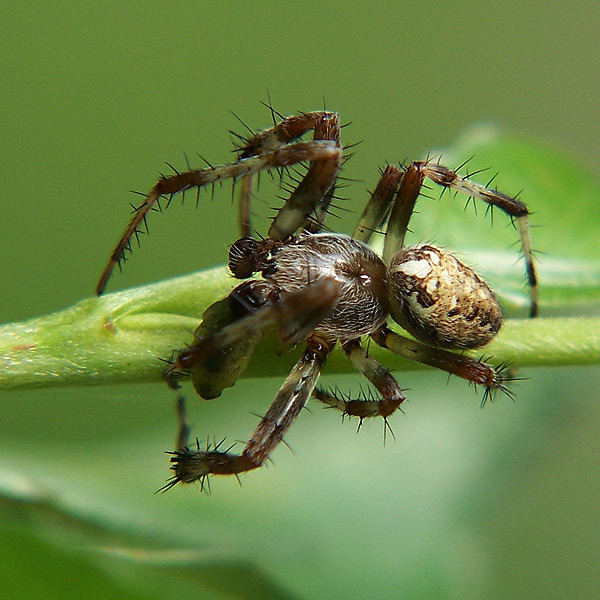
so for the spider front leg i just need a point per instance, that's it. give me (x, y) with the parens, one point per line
(275, 148)
(307, 206)
(190, 465)
(212, 370)
(221, 353)
(303, 207)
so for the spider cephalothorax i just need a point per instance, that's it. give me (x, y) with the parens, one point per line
(325, 288)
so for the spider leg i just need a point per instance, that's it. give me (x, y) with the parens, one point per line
(212, 373)
(404, 205)
(228, 335)
(320, 151)
(378, 207)
(245, 205)
(313, 189)
(384, 382)
(316, 221)
(514, 208)
(183, 431)
(288, 130)
(307, 206)
(474, 371)
(191, 465)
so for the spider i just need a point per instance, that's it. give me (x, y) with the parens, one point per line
(323, 288)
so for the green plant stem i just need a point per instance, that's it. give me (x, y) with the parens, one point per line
(121, 337)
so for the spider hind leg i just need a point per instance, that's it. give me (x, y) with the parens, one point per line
(514, 208)
(476, 371)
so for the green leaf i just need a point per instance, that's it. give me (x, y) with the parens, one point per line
(104, 559)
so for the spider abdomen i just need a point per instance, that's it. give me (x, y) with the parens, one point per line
(440, 300)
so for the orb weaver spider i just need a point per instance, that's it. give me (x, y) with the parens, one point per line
(323, 288)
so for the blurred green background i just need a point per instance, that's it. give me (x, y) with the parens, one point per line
(467, 503)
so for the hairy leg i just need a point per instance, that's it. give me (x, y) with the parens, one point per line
(190, 465)
(403, 188)
(379, 205)
(307, 205)
(474, 371)
(245, 205)
(404, 205)
(305, 202)
(271, 149)
(514, 208)
(384, 382)
(232, 327)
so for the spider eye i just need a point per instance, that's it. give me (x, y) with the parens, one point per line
(440, 300)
